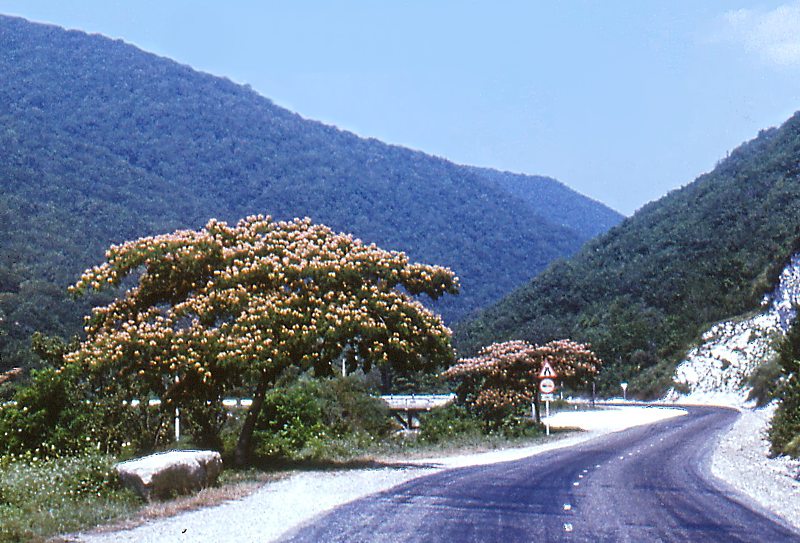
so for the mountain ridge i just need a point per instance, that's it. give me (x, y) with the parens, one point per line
(102, 142)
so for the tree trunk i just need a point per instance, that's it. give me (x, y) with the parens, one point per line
(243, 445)
(537, 407)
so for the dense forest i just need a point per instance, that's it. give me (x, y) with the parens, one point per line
(642, 292)
(555, 202)
(101, 143)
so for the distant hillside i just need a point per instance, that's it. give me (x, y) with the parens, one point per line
(642, 292)
(101, 142)
(554, 201)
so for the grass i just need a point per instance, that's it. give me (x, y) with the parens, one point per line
(42, 497)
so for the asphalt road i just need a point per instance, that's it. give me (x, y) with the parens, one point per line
(649, 483)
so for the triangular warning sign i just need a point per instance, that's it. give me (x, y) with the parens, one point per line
(547, 371)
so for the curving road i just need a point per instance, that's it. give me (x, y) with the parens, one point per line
(645, 484)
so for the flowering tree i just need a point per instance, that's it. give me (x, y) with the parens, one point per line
(504, 376)
(10, 375)
(233, 306)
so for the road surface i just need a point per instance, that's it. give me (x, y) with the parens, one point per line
(645, 484)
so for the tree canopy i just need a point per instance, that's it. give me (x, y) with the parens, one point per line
(504, 376)
(231, 307)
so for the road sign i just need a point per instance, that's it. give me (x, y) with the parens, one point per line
(547, 371)
(548, 398)
(547, 386)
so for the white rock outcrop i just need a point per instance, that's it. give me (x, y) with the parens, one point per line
(716, 371)
(174, 472)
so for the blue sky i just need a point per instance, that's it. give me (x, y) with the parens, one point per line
(621, 100)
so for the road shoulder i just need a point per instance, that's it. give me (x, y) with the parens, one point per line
(741, 460)
(285, 505)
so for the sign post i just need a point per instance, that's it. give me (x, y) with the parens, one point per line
(624, 390)
(177, 418)
(547, 386)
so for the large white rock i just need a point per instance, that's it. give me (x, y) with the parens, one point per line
(717, 370)
(174, 472)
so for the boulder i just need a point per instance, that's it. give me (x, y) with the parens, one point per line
(174, 472)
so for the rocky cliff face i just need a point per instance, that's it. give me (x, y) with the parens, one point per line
(716, 371)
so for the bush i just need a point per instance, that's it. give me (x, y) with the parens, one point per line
(784, 432)
(651, 382)
(455, 421)
(204, 421)
(48, 415)
(58, 413)
(444, 423)
(793, 447)
(350, 406)
(314, 419)
(290, 421)
(519, 426)
(64, 409)
(765, 382)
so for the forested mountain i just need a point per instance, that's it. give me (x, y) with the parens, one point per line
(642, 292)
(101, 142)
(552, 200)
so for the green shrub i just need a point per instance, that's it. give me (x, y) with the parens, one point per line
(316, 419)
(350, 406)
(47, 415)
(444, 423)
(793, 447)
(784, 431)
(64, 409)
(518, 426)
(291, 419)
(652, 382)
(204, 422)
(785, 427)
(681, 387)
(455, 422)
(57, 412)
(765, 382)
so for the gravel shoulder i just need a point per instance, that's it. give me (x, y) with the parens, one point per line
(284, 505)
(741, 460)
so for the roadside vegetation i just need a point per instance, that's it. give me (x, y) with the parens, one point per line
(50, 485)
(46, 495)
(310, 324)
(784, 432)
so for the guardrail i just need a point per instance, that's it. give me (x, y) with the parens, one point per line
(411, 405)
(417, 402)
(229, 403)
(414, 402)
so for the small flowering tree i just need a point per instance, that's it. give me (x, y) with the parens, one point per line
(234, 306)
(504, 376)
